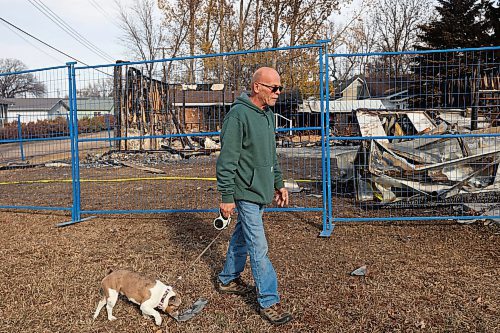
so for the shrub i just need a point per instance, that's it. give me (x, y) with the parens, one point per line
(54, 128)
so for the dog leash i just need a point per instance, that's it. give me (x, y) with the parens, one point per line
(220, 223)
(198, 257)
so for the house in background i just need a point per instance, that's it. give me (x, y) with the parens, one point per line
(89, 107)
(354, 88)
(391, 92)
(203, 106)
(34, 109)
(358, 92)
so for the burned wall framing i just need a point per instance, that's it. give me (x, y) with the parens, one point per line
(145, 109)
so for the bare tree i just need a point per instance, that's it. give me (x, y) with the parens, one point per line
(306, 20)
(141, 32)
(210, 26)
(175, 18)
(18, 84)
(257, 24)
(273, 11)
(101, 88)
(379, 26)
(182, 20)
(244, 12)
(292, 22)
(354, 37)
(208, 40)
(193, 6)
(397, 24)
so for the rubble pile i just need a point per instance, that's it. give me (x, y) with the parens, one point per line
(430, 164)
(114, 159)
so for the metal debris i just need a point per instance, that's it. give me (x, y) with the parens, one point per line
(116, 159)
(57, 165)
(195, 309)
(361, 271)
(398, 170)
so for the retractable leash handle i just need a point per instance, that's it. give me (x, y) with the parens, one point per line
(221, 222)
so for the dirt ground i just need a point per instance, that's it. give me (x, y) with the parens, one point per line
(422, 277)
(431, 276)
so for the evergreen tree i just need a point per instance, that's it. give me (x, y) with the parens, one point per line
(492, 16)
(453, 79)
(460, 24)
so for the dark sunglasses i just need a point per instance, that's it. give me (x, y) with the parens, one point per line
(274, 89)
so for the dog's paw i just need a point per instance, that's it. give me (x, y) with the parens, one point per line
(111, 318)
(158, 322)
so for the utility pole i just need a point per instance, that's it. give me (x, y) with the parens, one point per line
(164, 79)
(163, 63)
(164, 66)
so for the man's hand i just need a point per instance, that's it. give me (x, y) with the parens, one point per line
(281, 197)
(227, 209)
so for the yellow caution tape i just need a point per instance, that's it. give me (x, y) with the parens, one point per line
(46, 181)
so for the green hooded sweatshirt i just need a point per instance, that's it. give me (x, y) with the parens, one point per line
(247, 167)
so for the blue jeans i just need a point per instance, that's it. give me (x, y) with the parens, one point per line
(249, 238)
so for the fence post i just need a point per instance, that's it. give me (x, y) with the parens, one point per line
(73, 133)
(475, 98)
(329, 226)
(323, 233)
(75, 158)
(20, 136)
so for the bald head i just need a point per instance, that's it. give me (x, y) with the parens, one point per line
(266, 87)
(264, 74)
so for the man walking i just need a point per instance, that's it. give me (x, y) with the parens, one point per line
(248, 175)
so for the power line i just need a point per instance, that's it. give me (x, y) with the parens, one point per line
(41, 41)
(46, 44)
(51, 15)
(44, 9)
(104, 12)
(75, 34)
(27, 41)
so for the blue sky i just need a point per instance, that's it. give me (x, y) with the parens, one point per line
(96, 24)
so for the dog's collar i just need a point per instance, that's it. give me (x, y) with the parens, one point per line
(164, 299)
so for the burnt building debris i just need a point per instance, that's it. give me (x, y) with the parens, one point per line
(150, 107)
(147, 108)
(432, 164)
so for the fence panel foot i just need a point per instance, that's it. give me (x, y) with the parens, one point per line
(327, 231)
(64, 224)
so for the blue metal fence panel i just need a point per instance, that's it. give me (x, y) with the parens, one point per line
(414, 135)
(360, 137)
(35, 142)
(164, 126)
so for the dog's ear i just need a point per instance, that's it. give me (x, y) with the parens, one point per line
(175, 300)
(173, 305)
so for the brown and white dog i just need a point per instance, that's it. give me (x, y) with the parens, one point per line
(148, 293)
